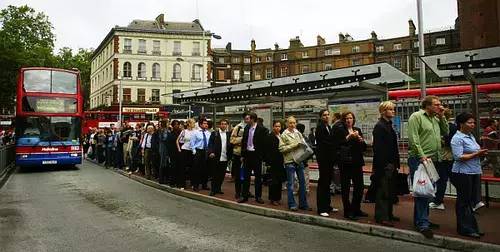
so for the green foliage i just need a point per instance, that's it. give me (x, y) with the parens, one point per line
(27, 39)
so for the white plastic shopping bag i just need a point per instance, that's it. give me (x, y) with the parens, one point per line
(422, 184)
(431, 170)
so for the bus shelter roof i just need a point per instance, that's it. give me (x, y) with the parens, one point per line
(317, 84)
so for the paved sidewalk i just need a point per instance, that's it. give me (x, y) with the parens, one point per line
(445, 237)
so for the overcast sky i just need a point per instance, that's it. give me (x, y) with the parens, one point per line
(85, 23)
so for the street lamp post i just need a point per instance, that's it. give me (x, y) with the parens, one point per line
(120, 97)
(421, 48)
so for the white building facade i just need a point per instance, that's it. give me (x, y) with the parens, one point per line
(149, 60)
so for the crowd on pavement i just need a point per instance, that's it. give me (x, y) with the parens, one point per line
(6, 137)
(175, 152)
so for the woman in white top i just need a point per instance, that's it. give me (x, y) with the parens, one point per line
(184, 148)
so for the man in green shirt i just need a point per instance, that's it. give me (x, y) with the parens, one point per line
(425, 128)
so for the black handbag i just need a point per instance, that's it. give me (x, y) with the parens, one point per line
(402, 187)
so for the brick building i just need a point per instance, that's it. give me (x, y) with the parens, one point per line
(479, 23)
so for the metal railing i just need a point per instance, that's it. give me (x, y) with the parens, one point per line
(7, 157)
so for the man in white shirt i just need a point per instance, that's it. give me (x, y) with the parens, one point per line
(146, 150)
(199, 147)
(219, 152)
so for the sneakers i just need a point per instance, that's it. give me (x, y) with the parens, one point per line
(324, 214)
(478, 205)
(433, 205)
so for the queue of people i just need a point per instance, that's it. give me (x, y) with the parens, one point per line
(192, 151)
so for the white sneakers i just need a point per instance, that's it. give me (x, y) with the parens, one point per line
(433, 205)
(334, 209)
(478, 205)
(324, 214)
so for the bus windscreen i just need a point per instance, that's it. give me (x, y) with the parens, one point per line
(48, 81)
(49, 128)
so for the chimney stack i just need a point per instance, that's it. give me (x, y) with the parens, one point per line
(320, 40)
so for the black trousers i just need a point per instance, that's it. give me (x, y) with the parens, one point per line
(385, 194)
(278, 175)
(325, 167)
(218, 174)
(185, 162)
(235, 172)
(466, 220)
(199, 171)
(109, 156)
(352, 173)
(252, 163)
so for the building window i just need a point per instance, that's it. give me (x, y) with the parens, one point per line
(269, 58)
(246, 75)
(284, 71)
(156, 47)
(142, 46)
(284, 56)
(356, 62)
(236, 60)
(156, 71)
(155, 95)
(127, 46)
(177, 72)
(141, 95)
(236, 75)
(221, 60)
(196, 49)
(305, 54)
(257, 60)
(396, 62)
(417, 62)
(196, 73)
(141, 71)
(397, 46)
(415, 44)
(441, 41)
(257, 75)
(305, 68)
(355, 49)
(269, 73)
(246, 60)
(127, 95)
(380, 48)
(221, 75)
(127, 70)
(177, 49)
(328, 67)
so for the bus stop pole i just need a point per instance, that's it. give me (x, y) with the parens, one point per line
(421, 48)
(475, 101)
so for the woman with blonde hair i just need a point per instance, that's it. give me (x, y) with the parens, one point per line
(184, 149)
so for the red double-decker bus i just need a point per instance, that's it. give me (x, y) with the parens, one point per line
(48, 117)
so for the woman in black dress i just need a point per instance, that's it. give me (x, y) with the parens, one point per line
(274, 158)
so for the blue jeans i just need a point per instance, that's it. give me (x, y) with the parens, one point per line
(291, 169)
(444, 171)
(421, 205)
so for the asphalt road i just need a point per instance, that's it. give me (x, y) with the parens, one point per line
(93, 209)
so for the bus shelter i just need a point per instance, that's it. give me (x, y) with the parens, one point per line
(371, 80)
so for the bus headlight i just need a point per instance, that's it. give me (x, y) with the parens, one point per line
(24, 156)
(74, 154)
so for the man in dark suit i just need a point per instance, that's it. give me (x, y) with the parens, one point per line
(252, 151)
(219, 152)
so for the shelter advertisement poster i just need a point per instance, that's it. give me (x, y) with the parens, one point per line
(366, 114)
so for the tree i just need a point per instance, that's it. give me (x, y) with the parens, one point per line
(26, 39)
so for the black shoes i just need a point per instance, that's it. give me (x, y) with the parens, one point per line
(472, 235)
(361, 214)
(351, 217)
(242, 200)
(433, 225)
(196, 189)
(427, 232)
(259, 200)
(211, 194)
(394, 218)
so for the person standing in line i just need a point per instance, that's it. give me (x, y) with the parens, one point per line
(290, 142)
(335, 186)
(274, 159)
(117, 144)
(301, 128)
(101, 148)
(219, 152)
(199, 148)
(155, 157)
(425, 128)
(110, 151)
(236, 139)
(252, 152)
(93, 143)
(351, 162)
(445, 166)
(164, 167)
(325, 149)
(186, 153)
(386, 164)
(146, 149)
(466, 169)
(124, 138)
(173, 153)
